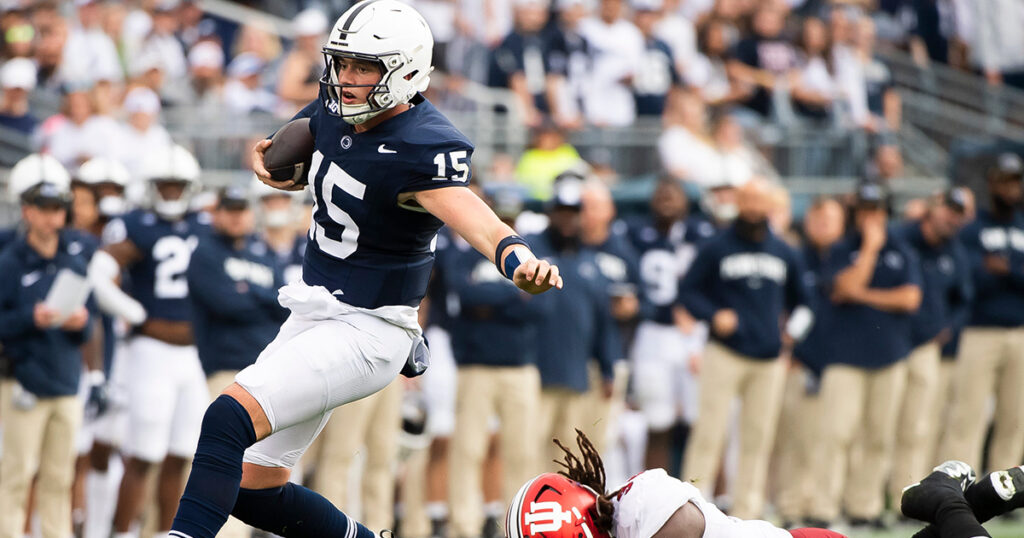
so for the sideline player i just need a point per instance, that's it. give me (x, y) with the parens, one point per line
(385, 176)
(652, 504)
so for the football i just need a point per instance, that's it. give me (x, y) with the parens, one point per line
(290, 154)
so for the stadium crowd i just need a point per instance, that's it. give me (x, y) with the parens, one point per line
(809, 365)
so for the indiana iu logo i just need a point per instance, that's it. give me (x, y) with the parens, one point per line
(546, 517)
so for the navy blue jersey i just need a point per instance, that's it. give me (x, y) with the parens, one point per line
(864, 336)
(617, 260)
(289, 262)
(999, 299)
(946, 284)
(664, 260)
(760, 281)
(158, 279)
(655, 76)
(444, 303)
(364, 246)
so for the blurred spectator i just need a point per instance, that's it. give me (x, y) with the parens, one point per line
(656, 74)
(742, 284)
(94, 52)
(678, 31)
(914, 209)
(299, 76)
(686, 148)
(206, 73)
(18, 34)
(997, 48)
(549, 155)
(140, 135)
(797, 436)
(78, 134)
(739, 161)
(707, 72)
(932, 30)
(52, 34)
(569, 63)
(496, 16)
(243, 92)
(989, 364)
(518, 62)
(884, 107)
(812, 84)
(946, 293)
(440, 17)
(162, 41)
(573, 326)
(17, 79)
(146, 70)
(617, 49)
(886, 164)
(255, 38)
(875, 283)
(760, 59)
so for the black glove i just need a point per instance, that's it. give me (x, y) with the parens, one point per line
(99, 398)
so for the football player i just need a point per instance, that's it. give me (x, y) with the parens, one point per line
(166, 387)
(386, 172)
(956, 504)
(652, 504)
(667, 338)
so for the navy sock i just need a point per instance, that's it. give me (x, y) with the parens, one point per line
(956, 520)
(997, 493)
(216, 470)
(293, 511)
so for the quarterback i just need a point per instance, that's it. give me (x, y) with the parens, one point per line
(387, 171)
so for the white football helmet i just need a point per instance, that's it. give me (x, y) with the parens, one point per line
(35, 169)
(104, 170)
(389, 33)
(174, 164)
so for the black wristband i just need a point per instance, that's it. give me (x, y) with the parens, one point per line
(502, 245)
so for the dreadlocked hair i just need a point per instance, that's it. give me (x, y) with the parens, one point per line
(588, 470)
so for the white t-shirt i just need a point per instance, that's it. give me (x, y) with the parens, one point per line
(680, 150)
(72, 144)
(709, 76)
(440, 17)
(678, 32)
(815, 76)
(649, 499)
(617, 49)
(91, 56)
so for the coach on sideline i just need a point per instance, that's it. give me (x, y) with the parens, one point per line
(742, 282)
(234, 280)
(875, 289)
(40, 409)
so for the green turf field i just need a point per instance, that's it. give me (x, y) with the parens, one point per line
(998, 529)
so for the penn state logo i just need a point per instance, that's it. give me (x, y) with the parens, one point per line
(945, 265)
(346, 142)
(893, 260)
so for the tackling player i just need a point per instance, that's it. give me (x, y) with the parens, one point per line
(386, 173)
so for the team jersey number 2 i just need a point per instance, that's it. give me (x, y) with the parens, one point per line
(172, 254)
(335, 177)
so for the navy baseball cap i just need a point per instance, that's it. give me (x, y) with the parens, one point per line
(1008, 166)
(233, 198)
(46, 194)
(567, 191)
(956, 199)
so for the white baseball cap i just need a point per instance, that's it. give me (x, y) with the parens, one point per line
(309, 22)
(206, 54)
(18, 73)
(142, 100)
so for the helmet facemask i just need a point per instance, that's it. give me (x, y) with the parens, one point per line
(171, 209)
(396, 86)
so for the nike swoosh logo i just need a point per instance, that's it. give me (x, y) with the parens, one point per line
(382, 149)
(30, 278)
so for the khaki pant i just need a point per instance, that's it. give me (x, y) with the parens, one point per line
(41, 439)
(859, 411)
(991, 361)
(561, 412)
(511, 393)
(795, 441)
(940, 412)
(369, 426)
(759, 384)
(600, 414)
(216, 383)
(911, 459)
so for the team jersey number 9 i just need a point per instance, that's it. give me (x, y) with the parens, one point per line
(659, 271)
(172, 254)
(335, 177)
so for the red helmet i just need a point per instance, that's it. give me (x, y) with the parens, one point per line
(552, 506)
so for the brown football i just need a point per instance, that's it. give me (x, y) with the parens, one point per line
(290, 154)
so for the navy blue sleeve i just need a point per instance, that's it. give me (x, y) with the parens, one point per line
(213, 290)
(984, 282)
(692, 290)
(797, 292)
(445, 164)
(963, 291)
(16, 318)
(608, 346)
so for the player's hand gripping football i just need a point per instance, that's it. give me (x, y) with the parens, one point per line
(536, 276)
(261, 171)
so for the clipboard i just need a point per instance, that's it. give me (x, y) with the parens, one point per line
(67, 294)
